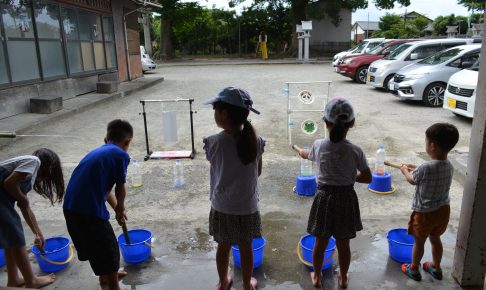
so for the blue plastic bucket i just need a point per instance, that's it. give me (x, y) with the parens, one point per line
(306, 246)
(381, 182)
(56, 256)
(140, 248)
(306, 185)
(258, 245)
(400, 245)
(2, 258)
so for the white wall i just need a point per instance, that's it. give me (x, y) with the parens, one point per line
(359, 31)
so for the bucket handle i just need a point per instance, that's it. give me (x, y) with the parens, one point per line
(71, 255)
(150, 245)
(299, 254)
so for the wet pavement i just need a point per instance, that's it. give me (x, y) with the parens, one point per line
(184, 254)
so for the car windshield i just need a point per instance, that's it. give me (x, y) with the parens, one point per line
(360, 47)
(475, 66)
(377, 48)
(397, 52)
(442, 56)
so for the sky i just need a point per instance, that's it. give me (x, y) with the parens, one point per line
(429, 8)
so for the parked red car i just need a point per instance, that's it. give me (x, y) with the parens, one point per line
(356, 66)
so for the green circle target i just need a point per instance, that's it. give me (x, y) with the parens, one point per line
(309, 127)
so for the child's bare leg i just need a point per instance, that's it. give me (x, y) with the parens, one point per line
(317, 260)
(121, 273)
(222, 262)
(21, 261)
(111, 280)
(417, 252)
(344, 254)
(437, 251)
(246, 255)
(14, 279)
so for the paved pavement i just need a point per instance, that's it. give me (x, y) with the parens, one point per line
(184, 252)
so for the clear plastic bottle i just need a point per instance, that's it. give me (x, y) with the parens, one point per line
(178, 174)
(306, 166)
(380, 160)
(135, 173)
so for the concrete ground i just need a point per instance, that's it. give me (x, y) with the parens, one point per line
(184, 254)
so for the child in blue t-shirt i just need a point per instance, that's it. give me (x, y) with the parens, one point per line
(42, 172)
(335, 210)
(89, 188)
(235, 155)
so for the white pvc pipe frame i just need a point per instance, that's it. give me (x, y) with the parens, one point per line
(290, 110)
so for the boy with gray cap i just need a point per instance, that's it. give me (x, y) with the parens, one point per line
(335, 210)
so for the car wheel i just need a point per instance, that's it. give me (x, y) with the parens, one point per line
(361, 74)
(434, 95)
(387, 80)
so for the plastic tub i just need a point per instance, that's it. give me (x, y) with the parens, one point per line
(58, 252)
(381, 184)
(258, 245)
(306, 185)
(400, 245)
(306, 246)
(140, 248)
(2, 258)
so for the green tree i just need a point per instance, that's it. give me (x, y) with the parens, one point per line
(472, 5)
(300, 9)
(441, 22)
(388, 20)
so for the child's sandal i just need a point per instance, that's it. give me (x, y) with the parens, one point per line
(434, 272)
(414, 274)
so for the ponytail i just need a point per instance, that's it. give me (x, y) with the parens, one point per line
(247, 144)
(338, 132)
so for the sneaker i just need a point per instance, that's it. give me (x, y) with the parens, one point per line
(414, 274)
(436, 273)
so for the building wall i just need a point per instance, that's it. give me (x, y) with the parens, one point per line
(356, 31)
(15, 97)
(326, 37)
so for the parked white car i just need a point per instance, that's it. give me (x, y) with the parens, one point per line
(427, 79)
(460, 96)
(363, 47)
(147, 62)
(382, 71)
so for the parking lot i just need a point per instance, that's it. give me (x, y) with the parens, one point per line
(178, 217)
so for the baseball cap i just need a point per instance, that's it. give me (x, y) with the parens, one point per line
(234, 96)
(339, 107)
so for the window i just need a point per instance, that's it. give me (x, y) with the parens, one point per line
(466, 61)
(71, 32)
(425, 50)
(21, 46)
(452, 44)
(3, 66)
(49, 36)
(109, 42)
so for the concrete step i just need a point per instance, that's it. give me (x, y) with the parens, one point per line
(45, 104)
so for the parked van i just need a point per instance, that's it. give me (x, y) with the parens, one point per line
(363, 47)
(460, 95)
(427, 79)
(382, 71)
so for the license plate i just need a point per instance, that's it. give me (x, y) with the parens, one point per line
(369, 78)
(395, 87)
(391, 87)
(451, 103)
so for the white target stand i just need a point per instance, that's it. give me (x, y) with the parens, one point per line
(306, 97)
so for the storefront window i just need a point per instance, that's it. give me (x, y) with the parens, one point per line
(22, 53)
(49, 35)
(109, 42)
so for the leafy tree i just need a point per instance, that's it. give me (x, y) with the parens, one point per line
(388, 20)
(472, 5)
(441, 22)
(300, 9)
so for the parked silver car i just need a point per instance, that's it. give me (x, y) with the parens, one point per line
(427, 79)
